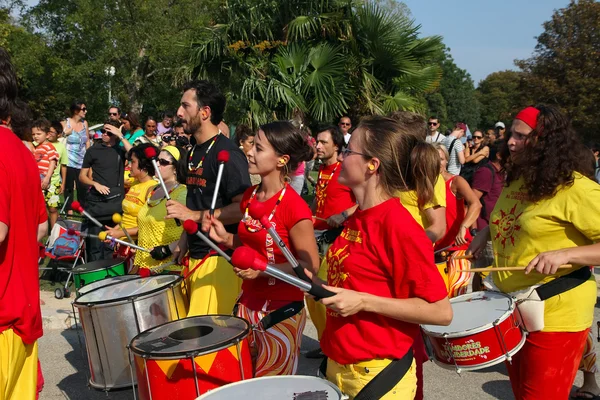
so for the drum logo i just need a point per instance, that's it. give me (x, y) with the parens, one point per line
(507, 226)
(464, 352)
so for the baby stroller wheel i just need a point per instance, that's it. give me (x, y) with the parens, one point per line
(58, 293)
(66, 293)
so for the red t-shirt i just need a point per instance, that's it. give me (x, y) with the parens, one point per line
(332, 197)
(22, 209)
(455, 215)
(267, 290)
(44, 153)
(384, 252)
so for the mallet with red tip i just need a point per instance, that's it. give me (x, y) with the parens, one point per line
(151, 153)
(245, 258)
(222, 158)
(191, 227)
(76, 206)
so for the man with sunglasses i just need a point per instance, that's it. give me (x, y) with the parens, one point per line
(345, 125)
(107, 162)
(433, 135)
(113, 113)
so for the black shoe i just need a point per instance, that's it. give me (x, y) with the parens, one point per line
(316, 353)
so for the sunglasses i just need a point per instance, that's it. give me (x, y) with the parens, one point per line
(83, 109)
(346, 152)
(164, 162)
(477, 137)
(111, 114)
(345, 123)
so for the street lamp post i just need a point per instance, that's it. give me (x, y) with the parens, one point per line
(110, 71)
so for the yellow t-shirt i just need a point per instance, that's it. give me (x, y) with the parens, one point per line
(410, 202)
(520, 230)
(134, 200)
(154, 230)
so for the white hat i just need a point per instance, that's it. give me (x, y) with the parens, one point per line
(500, 125)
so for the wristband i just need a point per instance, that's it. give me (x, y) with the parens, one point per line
(345, 215)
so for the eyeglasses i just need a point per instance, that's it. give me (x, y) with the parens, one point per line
(346, 152)
(83, 109)
(345, 123)
(432, 124)
(477, 137)
(164, 162)
(111, 114)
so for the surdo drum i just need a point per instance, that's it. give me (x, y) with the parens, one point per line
(183, 359)
(485, 331)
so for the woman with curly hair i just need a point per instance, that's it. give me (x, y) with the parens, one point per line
(548, 215)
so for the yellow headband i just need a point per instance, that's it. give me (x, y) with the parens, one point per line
(172, 150)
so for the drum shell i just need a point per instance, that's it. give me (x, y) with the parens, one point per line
(87, 277)
(174, 378)
(276, 388)
(105, 282)
(478, 348)
(109, 327)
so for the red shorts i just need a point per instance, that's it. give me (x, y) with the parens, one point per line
(546, 366)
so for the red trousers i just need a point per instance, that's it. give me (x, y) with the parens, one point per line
(546, 366)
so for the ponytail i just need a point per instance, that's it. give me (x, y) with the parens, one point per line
(424, 172)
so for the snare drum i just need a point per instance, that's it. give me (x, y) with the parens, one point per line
(106, 282)
(485, 331)
(97, 270)
(277, 388)
(185, 358)
(112, 315)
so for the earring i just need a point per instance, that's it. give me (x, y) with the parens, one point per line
(371, 167)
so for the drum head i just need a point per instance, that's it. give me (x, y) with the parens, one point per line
(106, 282)
(474, 311)
(97, 265)
(194, 335)
(277, 388)
(124, 290)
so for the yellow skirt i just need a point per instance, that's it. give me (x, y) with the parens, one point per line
(18, 367)
(213, 287)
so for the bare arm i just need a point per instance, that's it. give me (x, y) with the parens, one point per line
(84, 177)
(549, 261)
(436, 216)
(3, 232)
(41, 231)
(480, 155)
(473, 207)
(228, 215)
(461, 157)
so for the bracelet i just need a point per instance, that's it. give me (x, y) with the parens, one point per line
(345, 215)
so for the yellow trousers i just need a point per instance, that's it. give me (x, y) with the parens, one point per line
(18, 367)
(351, 378)
(317, 310)
(213, 287)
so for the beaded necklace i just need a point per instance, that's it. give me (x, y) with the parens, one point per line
(325, 183)
(199, 165)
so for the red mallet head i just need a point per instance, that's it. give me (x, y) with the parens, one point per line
(76, 206)
(246, 258)
(190, 226)
(258, 212)
(144, 272)
(150, 152)
(71, 232)
(223, 156)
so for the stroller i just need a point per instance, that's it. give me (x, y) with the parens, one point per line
(65, 249)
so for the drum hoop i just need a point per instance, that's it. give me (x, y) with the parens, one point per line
(78, 271)
(125, 299)
(186, 354)
(478, 329)
(105, 286)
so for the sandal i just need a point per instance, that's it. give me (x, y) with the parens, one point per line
(578, 395)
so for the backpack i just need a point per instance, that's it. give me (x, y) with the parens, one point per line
(65, 245)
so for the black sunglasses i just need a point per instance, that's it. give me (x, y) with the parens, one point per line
(477, 137)
(432, 123)
(164, 162)
(113, 114)
(83, 109)
(345, 123)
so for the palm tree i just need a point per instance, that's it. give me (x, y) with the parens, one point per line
(319, 59)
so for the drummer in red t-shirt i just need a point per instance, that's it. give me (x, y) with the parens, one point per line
(381, 268)
(278, 149)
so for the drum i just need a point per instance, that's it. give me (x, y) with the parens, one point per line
(277, 388)
(185, 358)
(112, 315)
(106, 282)
(485, 331)
(97, 270)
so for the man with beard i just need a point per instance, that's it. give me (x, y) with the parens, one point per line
(214, 286)
(332, 206)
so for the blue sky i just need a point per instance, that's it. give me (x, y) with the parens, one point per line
(485, 36)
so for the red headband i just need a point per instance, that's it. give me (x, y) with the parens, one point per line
(529, 116)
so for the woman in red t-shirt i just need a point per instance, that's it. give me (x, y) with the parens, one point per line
(278, 149)
(381, 267)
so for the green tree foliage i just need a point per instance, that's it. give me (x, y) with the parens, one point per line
(500, 97)
(315, 59)
(454, 100)
(565, 67)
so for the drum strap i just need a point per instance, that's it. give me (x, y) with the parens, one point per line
(564, 283)
(384, 381)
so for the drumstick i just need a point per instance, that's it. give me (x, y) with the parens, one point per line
(222, 158)
(151, 153)
(492, 269)
(117, 219)
(146, 272)
(442, 250)
(76, 206)
(466, 257)
(246, 258)
(257, 212)
(104, 236)
(191, 228)
(319, 218)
